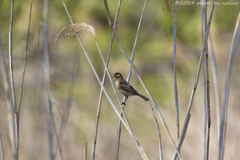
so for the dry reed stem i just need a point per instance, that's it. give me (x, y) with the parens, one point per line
(15, 118)
(215, 82)
(175, 68)
(188, 115)
(206, 119)
(119, 136)
(140, 78)
(24, 68)
(47, 80)
(208, 92)
(47, 91)
(205, 112)
(204, 84)
(159, 134)
(233, 51)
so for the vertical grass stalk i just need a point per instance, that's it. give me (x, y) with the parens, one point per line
(204, 84)
(15, 124)
(208, 90)
(215, 82)
(175, 68)
(223, 124)
(205, 111)
(159, 134)
(24, 68)
(47, 91)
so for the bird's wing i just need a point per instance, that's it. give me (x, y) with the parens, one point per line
(124, 85)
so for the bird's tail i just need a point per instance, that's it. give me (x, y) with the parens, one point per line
(143, 97)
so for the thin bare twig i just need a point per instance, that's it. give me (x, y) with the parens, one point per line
(119, 136)
(204, 88)
(208, 90)
(10, 57)
(196, 81)
(223, 124)
(24, 68)
(47, 91)
(175, 68)
(159, 134)
(205, 112)
(47, 80)
(215, 82)
(15, 129)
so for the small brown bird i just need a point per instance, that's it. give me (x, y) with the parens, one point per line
(125, 88)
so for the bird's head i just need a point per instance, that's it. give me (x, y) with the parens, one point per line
(117, 76)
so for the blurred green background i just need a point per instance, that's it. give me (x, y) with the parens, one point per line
(154, 60)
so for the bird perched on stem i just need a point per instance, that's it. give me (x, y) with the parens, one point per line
(125, 88)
